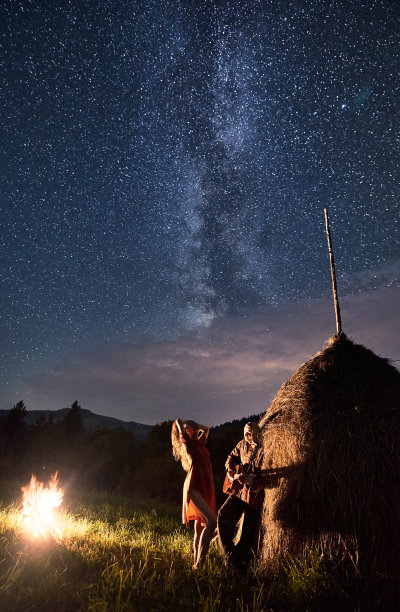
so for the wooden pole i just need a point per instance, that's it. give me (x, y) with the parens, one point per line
(334, 287)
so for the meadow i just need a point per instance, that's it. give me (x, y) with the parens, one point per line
(120, 554)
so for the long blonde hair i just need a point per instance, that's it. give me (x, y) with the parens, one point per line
(178, 449)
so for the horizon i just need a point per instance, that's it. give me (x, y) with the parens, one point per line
(111, 417)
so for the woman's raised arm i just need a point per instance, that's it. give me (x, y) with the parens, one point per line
(202, 432)
(181, 429)
(179, 425)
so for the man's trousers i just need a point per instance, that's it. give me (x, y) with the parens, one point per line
(229, 514)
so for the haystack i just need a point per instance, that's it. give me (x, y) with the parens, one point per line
(333, 434)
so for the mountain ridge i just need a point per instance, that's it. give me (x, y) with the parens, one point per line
(90, 420)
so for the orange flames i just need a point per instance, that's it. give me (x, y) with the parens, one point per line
(40, 504)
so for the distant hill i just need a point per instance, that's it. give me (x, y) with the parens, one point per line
(90, 421)
(93, 421)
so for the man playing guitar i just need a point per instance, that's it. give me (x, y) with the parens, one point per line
(245, 485)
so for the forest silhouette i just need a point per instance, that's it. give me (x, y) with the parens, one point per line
(109, 460)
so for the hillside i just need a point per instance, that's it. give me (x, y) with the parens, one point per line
(90, 420)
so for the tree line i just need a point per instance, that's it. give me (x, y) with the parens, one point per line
(110, 460)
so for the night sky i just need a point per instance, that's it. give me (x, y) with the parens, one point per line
(164, 169)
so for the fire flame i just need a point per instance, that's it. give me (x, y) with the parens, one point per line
(40, 515)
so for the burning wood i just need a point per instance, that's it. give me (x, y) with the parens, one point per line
(40, 514)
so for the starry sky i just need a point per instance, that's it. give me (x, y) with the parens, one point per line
(164, 169)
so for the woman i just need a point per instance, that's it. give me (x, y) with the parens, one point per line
(189, 446)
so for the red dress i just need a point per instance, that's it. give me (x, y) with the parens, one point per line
(199, 477)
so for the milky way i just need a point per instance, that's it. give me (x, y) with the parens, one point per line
(167, 163)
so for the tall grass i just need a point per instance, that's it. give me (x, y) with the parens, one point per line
(119, 555)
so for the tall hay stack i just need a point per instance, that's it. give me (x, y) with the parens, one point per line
(334, 427)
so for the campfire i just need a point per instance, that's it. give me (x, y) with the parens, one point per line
(40, 516)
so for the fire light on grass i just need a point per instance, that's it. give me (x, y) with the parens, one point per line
(40, 515)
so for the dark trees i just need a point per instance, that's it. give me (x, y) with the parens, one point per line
(72, 423)
(14, 438)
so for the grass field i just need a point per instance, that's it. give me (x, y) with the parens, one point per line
(119, 554)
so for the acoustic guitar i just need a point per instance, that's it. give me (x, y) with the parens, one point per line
(234, 486)
(274, 475)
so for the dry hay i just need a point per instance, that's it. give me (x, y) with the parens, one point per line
(334, 431)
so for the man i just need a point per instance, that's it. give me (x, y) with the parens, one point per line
(246, 498)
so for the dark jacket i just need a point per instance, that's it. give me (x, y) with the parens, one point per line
(243, 455)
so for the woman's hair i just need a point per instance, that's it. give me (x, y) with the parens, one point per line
(178, 448)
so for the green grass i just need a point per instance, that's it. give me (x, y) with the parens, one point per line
(116, 555)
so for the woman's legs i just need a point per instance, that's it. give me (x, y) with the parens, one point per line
(198, 530)
(210, 520)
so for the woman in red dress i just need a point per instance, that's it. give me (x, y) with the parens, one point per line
(189, 446)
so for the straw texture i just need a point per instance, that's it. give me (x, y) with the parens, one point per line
(334, 430)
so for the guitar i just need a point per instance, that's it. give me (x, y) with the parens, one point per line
(233, 486)
(272, 477)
